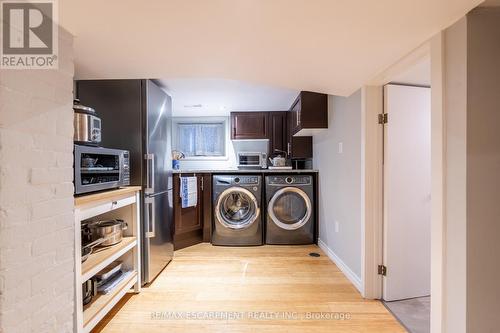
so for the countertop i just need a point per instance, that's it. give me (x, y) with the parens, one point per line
(84, 199)
(244, 171)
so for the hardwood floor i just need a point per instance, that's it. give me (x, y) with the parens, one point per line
(264, 289)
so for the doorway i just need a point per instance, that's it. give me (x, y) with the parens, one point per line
(407, 204)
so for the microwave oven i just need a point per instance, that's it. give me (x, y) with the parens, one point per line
(98, 168)
(247, 160)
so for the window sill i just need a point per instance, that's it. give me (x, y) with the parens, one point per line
(206, 158)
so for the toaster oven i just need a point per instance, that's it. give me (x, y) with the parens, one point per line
(247, 160)
(98, 168)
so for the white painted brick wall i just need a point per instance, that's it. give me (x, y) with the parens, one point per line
(36, 197)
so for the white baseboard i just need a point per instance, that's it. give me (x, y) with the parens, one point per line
(355, 280)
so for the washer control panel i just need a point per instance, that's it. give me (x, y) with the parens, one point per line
(290, 180)
(246, 180)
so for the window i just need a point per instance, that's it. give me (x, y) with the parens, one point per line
(201, 139)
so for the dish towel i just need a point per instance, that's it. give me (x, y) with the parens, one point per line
(189, 192)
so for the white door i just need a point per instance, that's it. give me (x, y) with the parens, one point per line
(407, 192)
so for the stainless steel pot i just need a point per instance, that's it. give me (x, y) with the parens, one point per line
(89, 290)
(110, 230)
(87, 126)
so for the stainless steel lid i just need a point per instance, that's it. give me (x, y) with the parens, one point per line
(78, 107)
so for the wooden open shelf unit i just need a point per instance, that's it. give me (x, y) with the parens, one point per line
(121, 203)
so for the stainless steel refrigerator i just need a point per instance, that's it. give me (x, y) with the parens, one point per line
(136, 115)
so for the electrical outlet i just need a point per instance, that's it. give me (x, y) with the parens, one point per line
(341, 147)
(337, 226)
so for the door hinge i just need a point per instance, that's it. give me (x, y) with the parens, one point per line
(382, 118)
(382, 270)
(201, 183)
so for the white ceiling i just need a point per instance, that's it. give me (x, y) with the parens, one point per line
(212, 97)
(331, 46)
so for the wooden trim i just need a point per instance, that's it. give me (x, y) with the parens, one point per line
(103, 196)
(355, 280)
(407, 61)
(438, 172)
(371, 191)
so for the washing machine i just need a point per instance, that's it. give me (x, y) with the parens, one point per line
(237, 210)
(290, 209)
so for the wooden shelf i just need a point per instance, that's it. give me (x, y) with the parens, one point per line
(101, 304)
(105, 256)
(105, 195)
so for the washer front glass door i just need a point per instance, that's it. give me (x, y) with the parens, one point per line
(290, 208)
(237, 208)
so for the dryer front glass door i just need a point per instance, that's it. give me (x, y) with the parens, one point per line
(290, 208)
(237, 208)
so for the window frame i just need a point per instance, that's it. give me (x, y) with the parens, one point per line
(201, 120)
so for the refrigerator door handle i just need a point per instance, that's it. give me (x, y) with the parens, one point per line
(153, 220)
(150, 219)
(153, 173)
(150, 174)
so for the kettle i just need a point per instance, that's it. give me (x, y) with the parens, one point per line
(278, 161)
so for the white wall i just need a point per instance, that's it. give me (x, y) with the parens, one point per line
(36, 197)
(483, 170)
(232, 148)
(472, 156)
(340, 183)
(455, 192)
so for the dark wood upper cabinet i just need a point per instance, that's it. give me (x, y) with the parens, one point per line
(249, 125)
(309, 111)
(277, 132)
(297, 147)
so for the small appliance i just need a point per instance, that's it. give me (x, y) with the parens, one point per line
(98, 168)
(252, 160)
(278, 161)
(86, 124)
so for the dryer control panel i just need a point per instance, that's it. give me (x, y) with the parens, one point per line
(246, 180)
(242, 180)
(290, 180)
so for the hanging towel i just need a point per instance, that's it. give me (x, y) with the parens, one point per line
(189, 192)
